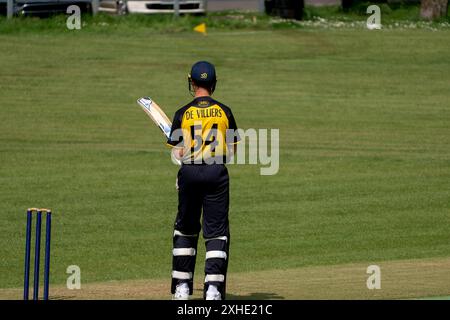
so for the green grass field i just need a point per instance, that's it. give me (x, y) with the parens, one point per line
(364, 160)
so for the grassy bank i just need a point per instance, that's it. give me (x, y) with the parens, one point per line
(314, 17)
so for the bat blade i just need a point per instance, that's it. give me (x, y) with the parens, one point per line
(156, 114)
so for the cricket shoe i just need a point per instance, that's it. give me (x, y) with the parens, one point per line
(181, 292)
(213, 293)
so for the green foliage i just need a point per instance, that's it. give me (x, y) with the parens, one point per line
(391, 15)
(389, 12)
(129, 23)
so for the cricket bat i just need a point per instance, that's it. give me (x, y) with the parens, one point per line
(158, 116)
(155, 113)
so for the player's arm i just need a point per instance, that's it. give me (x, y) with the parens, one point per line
(233, 139)
(175, 140)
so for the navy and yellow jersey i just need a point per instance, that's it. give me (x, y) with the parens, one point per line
(205, 129)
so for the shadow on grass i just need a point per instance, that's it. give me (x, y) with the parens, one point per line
(255, 296)
(249, 296)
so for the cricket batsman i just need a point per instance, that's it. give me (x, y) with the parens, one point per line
(203, 136)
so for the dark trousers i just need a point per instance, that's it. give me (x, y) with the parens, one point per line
(204, 188)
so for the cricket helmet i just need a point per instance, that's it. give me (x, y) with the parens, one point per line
(203, 74)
